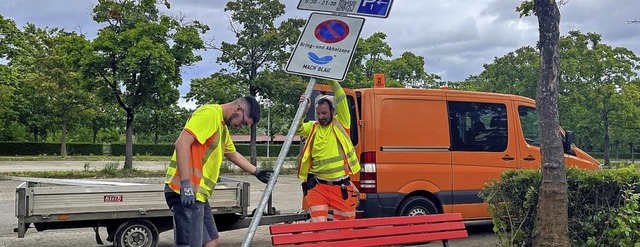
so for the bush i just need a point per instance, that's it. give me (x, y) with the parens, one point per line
(596, 206)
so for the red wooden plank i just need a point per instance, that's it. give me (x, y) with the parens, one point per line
(393, 240)
(346, 234)
(360, 223)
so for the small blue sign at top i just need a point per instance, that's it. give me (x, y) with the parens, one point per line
(375, 7)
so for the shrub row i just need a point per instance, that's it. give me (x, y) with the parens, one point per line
(118, 149)
(603, 206)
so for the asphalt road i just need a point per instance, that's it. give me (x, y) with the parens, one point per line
(286, 198)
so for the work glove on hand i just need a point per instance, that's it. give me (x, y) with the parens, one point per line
(187, 196)
(263, 175)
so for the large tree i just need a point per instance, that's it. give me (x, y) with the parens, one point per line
(595, 78)
(9, 34)
(138, 55)
(551, 224)
(260, 45)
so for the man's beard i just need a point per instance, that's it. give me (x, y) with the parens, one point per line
(228, 120)
(325, 121)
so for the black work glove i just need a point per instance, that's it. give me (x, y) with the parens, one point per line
(263, 175)
(186, 193)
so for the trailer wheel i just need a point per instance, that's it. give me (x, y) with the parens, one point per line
(417, 205)
(136, 233)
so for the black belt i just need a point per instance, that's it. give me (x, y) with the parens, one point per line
(345, 181)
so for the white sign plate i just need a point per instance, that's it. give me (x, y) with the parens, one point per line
(373, 8)
(326, 46)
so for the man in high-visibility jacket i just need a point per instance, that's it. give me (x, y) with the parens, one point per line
(328, 158)
(195, 166)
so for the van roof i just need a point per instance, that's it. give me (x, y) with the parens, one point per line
(442, 92)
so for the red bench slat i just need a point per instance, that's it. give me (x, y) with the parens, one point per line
(394, 240)
(371, 231)
(368, 222)
(346, 234)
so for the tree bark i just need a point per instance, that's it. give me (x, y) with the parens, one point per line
(128, 159)
(607, 147)
(63, 141)
(551, 225)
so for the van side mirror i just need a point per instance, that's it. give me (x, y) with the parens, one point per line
(568, 139)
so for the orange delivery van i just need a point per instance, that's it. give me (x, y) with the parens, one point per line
(429, 151)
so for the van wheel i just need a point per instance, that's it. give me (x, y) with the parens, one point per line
(417, 205)
(136, 233)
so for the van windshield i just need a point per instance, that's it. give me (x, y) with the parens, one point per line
(529, 124)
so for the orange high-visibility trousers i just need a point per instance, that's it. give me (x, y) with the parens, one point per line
(323, 196)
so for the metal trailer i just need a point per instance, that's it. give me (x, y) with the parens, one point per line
(133, 214)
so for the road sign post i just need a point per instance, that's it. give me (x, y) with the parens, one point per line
(326, 46)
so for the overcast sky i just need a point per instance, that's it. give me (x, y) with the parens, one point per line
(456, 37)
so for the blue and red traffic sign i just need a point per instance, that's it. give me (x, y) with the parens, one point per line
(326, 46)
(332, 31)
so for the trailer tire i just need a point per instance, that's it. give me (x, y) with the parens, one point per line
(136, 233)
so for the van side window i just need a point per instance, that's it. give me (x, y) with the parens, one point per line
(477, 126)
(529, 124)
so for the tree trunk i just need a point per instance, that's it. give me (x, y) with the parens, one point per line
(128, 159)
(63, 141)
(551, 225)
(607, 148)
(254, 131)
(632, 158)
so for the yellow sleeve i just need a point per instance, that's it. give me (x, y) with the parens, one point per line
(201, 125)
(342, 108)
(304, 128)
(229, 146)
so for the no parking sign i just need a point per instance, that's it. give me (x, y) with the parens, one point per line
(326, 46)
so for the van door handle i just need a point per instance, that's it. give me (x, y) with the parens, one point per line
(507, 157)
(529, 158)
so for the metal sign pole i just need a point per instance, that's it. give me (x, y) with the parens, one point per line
(276, 170)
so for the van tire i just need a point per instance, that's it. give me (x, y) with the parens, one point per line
(416, 205)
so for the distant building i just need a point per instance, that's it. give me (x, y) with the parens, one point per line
(262, 139)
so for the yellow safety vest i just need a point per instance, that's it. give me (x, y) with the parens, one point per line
(206, 153)
(329, 167)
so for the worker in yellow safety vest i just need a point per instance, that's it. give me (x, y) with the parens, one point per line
(195, 166)
(328, 158)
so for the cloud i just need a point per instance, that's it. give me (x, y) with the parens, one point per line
(456, 37)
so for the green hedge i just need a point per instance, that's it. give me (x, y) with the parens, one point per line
(612, 155)
(29, 148)
(48, 148)
(167, 149)
(598, 208)
(118, 149)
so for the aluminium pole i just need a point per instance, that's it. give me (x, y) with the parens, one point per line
(276, 170)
